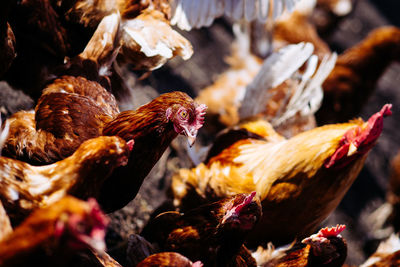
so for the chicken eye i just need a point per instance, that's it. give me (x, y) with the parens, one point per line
(184, 114)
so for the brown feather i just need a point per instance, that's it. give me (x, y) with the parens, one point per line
(356, 73)
(25, 187)
(291, 176)
(35, 241)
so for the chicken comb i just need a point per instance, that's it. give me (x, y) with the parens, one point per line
(130, 144)
(197, 264)
(200, 113)
(248, 199)
(332, 231)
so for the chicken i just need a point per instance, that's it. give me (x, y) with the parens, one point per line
(24, 187)
(275, 88)
(326, 248)
(301, 179)
(213, 233)
(51, 234)
(147, 38)
(387, 254)
(168, 259)
(74, 109)
(356, 73)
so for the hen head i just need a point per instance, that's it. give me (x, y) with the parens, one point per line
(85, 229)
(328, 246)
(359, 140)
(187, 118)
(241, 212)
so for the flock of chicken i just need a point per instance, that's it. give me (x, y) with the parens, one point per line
(285, 148)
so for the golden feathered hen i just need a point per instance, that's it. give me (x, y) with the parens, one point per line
(301, 179)
(356, 74)
(24, 187)
(327, 248)
(49, 236)
(168, 259)
(212, 233)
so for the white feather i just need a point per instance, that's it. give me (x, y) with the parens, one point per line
(250, 9)
(263, 10)
(188, 14)
(278, 9)
(276, 68)
(308, 95)
(4, 133)
(389, 246)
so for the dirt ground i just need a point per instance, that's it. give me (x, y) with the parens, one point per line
(210, 46)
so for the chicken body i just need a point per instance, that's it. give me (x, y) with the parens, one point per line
(326, 248)
(50, 235)
(356, 73)
(213, 233)
(301, 179)
(168, 259)
(24, 187)
(74, 109)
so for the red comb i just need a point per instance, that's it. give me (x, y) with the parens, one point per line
(248, 199)
(130, 144)
(200, 113)
(332, 231)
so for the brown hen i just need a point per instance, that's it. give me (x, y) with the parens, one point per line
(301, 179)
(327, 248)
(168, 259)
(356, 73)
(213, 233)
(51, 235)
(74, 109)
(24, 187)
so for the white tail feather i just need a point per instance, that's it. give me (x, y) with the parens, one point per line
(276, 69)
(4, 133)
(308, 95)
(188, 14)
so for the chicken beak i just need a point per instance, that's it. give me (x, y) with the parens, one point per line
(191, 140)
(191, 135)
(97, 245)
(352, 149)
